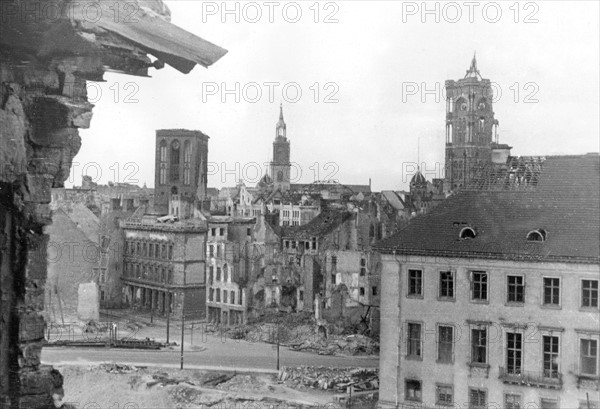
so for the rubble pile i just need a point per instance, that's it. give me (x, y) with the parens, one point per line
(339, 345)
(337, 379)
(113, 367)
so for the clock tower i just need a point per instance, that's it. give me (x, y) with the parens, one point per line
(471, 129)
(280, 166)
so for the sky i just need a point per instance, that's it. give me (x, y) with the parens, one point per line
(361, 84)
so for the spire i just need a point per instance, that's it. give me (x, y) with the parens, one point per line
(280, 127)
(473, 72)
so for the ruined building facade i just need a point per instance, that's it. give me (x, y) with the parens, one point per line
(181, 166)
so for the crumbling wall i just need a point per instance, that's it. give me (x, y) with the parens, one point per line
(39, 118)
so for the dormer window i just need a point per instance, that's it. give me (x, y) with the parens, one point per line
(467, 233)
(537, 235)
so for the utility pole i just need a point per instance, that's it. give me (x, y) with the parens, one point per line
(182, 325)
(168, 314)
(278, 347)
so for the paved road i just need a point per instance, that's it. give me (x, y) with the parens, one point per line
(216, 354)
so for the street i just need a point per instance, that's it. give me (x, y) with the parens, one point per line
(215, 353)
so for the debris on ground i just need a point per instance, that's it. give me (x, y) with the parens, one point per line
(113, 367)
(339, 345)
(337, 379)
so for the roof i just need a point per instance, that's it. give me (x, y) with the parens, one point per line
(327, 221)
(564, 202)
(418, 178)
(151, 32)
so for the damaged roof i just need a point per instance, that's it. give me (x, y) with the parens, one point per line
(323, 224)
(563, 204)
(142, 23)
(119, 32)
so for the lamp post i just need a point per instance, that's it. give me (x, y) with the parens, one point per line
(182, 325)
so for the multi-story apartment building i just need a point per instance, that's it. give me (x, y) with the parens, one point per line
(164, 266)
(491, 299)
(230, 255)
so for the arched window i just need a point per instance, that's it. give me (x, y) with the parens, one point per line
(175, 155)
(187, 160)
(280, 176)
(163, 162)
(467, 233)
(537, 235)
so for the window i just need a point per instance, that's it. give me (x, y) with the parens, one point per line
(546, 403)
(170, 252)
(362, 291)
(211, 272)
(477, 398)
(248, 231)
(218, 251)
(232, 297)
(211, 251)
(551, 291)
(218, 295)
(589, 357)
(218, 274)
(213, 231)
(589, 293)
(413, 345)
(467, 233)
(514, 352)
(151, 250)
(333, 279)
(512, 401)
(175, 153)
(446, 284)
(374, 290)
(225, 273)
(363, 266)
(515, 291)
(445, 343)
(333, 262)
(444, 395)
(479, 345)
(221, 231)
(224, 296)
(301, 295)
(211, 294)
(550, 345)
(413, 390)
(479, 286)
(415, 282)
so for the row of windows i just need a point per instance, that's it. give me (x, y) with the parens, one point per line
(307, 245)
(295, 214)
(150, 272)
(228, 297)
(515, 288)
(217, 277)
(220, 231)
(150, 249)
(478, 397)
(514, 342)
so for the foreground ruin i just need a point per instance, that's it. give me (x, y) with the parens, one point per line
(49, 49)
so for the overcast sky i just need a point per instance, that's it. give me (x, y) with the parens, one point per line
(370, 68)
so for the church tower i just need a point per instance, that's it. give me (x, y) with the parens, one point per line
(471, 129)
(280, 166)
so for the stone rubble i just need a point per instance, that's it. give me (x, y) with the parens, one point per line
(337, 379)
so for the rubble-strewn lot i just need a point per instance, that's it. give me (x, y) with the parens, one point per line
(299, 332)
(110, 384)
(338, 379)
